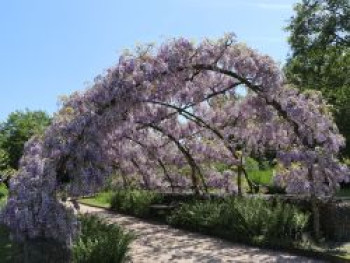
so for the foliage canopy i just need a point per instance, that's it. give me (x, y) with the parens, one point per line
(320, 57)
(130, 121)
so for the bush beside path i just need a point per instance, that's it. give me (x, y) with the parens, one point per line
(161, 243)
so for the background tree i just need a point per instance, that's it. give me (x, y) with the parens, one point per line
(15, 131)
(4, 159)
(320, 54)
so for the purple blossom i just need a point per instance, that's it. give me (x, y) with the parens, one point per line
(154, 120)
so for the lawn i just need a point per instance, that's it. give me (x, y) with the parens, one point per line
(262, 177)
(101, 200)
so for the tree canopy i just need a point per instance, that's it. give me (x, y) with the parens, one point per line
(19, 127)
(130, 121)
(320, 54)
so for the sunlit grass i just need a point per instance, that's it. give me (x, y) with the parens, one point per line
(263, 177)
(101, 200)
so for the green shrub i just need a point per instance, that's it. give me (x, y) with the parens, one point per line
(238, 219)
(268, 221)
(100, 242)
(3, 195)
(3, 191)
(197, 216)
(134, 202)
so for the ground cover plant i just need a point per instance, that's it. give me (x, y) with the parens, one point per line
(100, 242)
(97, 242)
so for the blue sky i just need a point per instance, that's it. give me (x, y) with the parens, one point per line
(52, 48)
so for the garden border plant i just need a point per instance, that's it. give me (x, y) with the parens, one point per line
(100, 242)
(252, 220)
(197, 214)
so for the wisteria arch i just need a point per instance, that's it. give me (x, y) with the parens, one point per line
(129, 120)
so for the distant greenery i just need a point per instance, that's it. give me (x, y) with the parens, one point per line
(3, 195)
(101, 242)
(15, 131)
(134, 202)
(3, 191)
(259, 172)
(263, 177)
(320, 54)
(102, 200)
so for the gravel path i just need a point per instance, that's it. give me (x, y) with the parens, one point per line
(158, 243)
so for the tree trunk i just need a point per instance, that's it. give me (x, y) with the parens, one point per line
(239, 180)
(316, 217)
(314, 207)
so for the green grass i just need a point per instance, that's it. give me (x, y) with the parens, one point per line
(101, 200)
(263, 177)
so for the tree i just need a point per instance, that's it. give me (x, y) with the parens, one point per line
(4, 160)
(6, 172)
(15, 132)
(320, 54)
(136, 105)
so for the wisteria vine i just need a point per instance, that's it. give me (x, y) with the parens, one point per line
(164, 118)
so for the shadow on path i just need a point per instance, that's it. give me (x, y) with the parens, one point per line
(161, 243)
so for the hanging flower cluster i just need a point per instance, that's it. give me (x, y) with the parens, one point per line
(165, 118)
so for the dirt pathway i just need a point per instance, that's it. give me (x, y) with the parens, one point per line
(158, 243)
